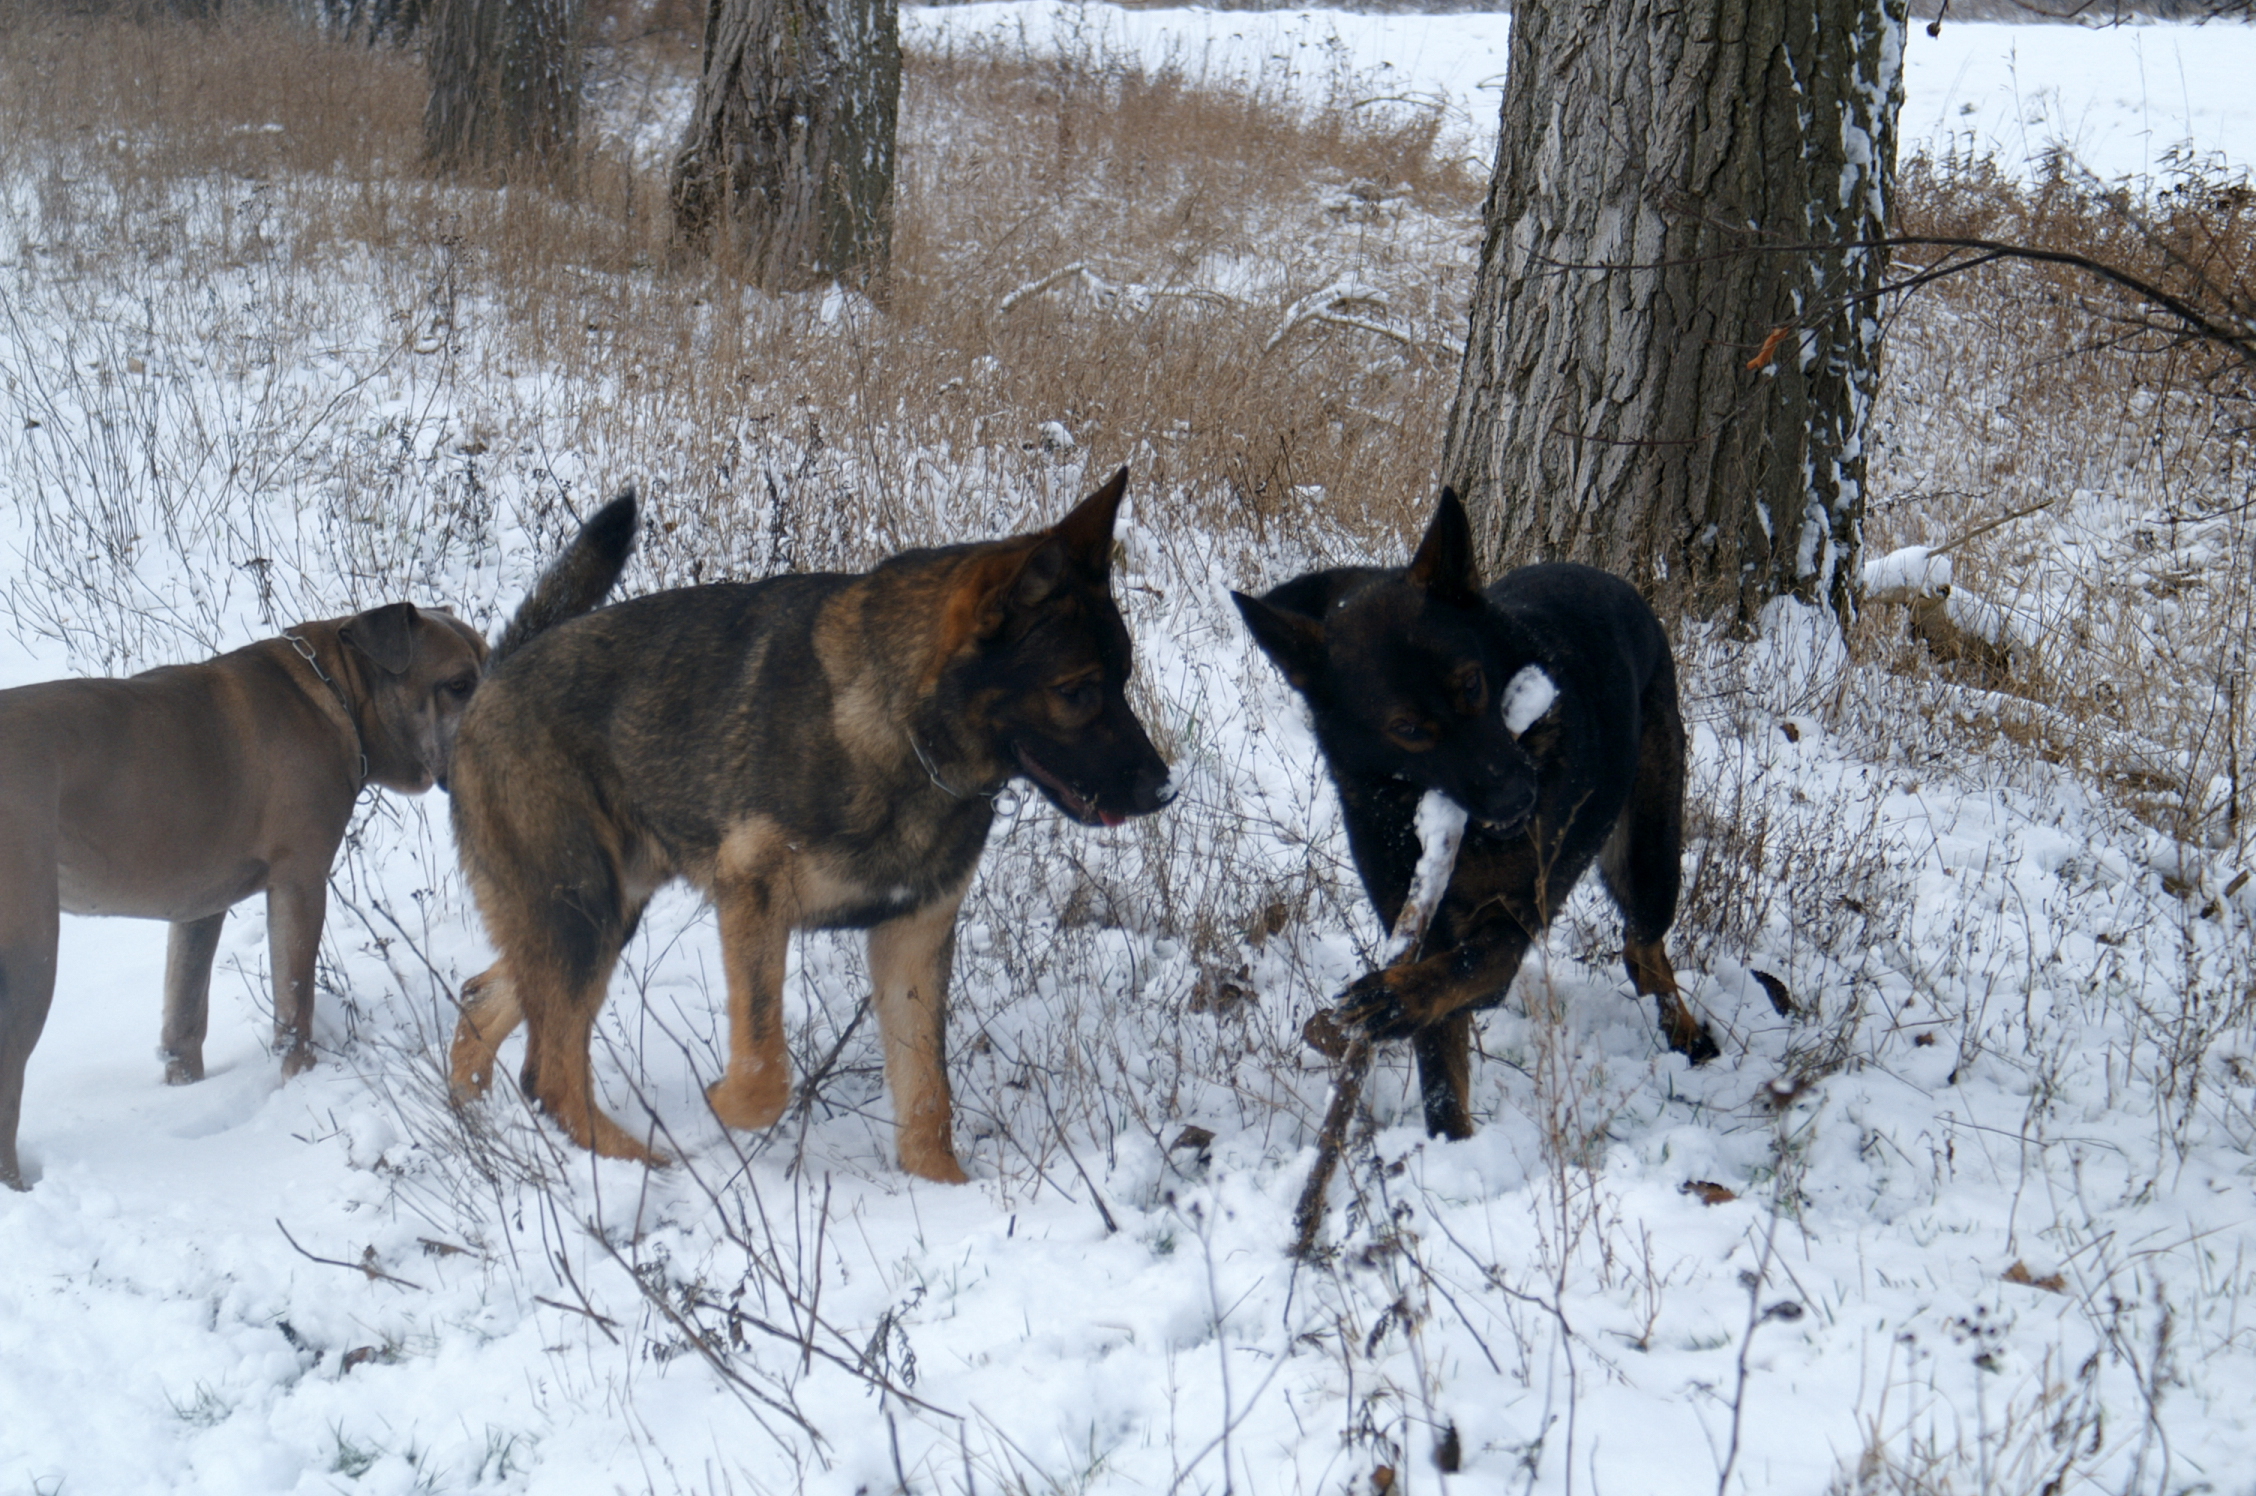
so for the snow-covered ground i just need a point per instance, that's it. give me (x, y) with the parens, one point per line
(2121, 99)
(1974, 1213)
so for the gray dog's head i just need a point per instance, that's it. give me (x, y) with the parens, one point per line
(417, 670)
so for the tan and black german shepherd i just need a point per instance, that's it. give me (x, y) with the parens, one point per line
(812, 752)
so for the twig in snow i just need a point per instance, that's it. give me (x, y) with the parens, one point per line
(1999, 523)
(366, 1265)
(746, 1392)
(603, 1322)
(1041, 1089)
(1137, 293)
(564, 1266)
(1347, 1090)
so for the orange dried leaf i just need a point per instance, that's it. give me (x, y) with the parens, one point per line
(2019, 1273)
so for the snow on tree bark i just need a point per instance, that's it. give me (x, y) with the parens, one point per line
(788, 161)
(505, 82)
(1624, 401)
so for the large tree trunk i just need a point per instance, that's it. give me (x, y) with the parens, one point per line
(505, 83)
(788, 161)
(1624, 401)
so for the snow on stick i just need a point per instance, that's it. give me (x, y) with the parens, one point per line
(1441, 831)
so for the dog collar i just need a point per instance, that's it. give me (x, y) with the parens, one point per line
(305, 652)
(932, 772)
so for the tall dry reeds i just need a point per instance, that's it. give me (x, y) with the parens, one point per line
(1088, 252)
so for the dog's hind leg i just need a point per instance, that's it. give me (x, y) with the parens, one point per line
(558, 986)
(1445, 1075)
(1642, 866)
(560, 1077)
(30, 923)
(187, 996)
(490, 1014)
(755, 921)
(910, 962)
(557, 907)
(557, 953)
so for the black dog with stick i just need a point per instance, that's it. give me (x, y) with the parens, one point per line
(1546, 706)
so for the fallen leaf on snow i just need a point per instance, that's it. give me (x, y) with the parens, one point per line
(2019, 1273)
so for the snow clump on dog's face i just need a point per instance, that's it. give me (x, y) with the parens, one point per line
(1529, 695)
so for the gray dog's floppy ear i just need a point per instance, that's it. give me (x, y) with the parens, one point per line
(1444, 566)
(386, 635)
(1294, 640)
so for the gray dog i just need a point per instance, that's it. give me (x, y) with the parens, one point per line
(181, 791)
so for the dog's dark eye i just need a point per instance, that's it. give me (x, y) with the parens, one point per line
(1471, 690)
(459, 688)
(1079, 696)
(1409, 732)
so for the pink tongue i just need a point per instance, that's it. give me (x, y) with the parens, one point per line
(1107, 818)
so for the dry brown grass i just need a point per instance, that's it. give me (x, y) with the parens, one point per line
(2126, 584)
(1201, 217)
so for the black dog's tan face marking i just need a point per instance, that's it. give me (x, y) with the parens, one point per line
(1408, 680)
(1546, 707)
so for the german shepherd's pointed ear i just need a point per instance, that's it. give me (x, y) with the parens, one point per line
(386, 635)
(1086, 533)
(1294, 640)
(1444, 567)
(998, 577)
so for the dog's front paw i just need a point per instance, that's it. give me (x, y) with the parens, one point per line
(1377, 1006)
(467, 1080)
(938, 1165)
(297, 1060)
(1687, 1035)
(749, 1100)
(183, 1067)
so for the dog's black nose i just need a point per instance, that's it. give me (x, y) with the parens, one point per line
(1503, 806)
(1154, 787)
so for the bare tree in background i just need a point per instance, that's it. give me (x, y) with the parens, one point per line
(505, 83)
(787, 166)
(1645, 388)
(394, 21)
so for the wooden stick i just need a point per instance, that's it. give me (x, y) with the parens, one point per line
(1441, 830)
(1347, 1090)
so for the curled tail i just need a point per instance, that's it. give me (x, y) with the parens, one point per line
(576, 581)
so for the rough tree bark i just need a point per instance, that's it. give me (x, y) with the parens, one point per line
(505, 83)
(1624, 401)
(788, 160)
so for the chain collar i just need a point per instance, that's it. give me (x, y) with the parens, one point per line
(305, 652)
(932, 772)
(1004, 803)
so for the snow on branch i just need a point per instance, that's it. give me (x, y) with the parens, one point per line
(1135, 295)
(1343, 304)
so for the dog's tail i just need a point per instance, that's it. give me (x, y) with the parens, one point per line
(578, 580)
